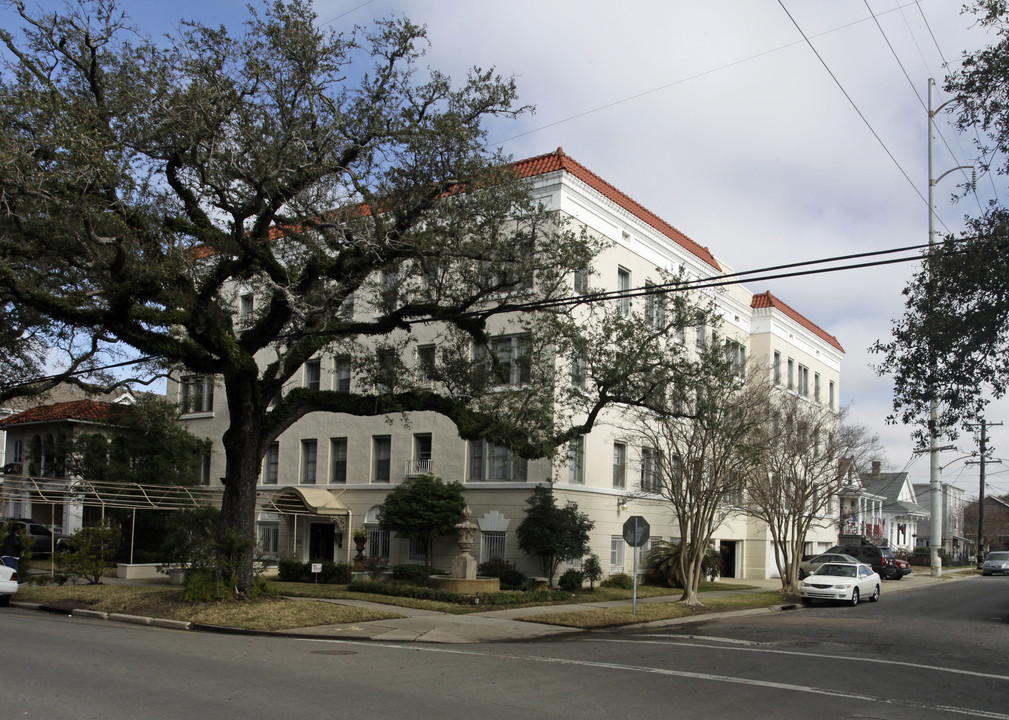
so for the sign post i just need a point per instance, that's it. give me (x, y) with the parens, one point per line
(636, 534)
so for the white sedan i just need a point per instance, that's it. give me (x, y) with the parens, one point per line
(8, 584)
(846, 582)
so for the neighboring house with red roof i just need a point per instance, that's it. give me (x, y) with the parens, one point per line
(351, 462)
(37, 442)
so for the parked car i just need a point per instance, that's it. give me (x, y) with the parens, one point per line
(879, 558)
(844, 582)
(807, 566)
(996, 563)
(38, 538)
(8, 584)
(903, 567)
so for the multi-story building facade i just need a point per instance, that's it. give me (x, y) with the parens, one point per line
(954, 541)
(334, 470)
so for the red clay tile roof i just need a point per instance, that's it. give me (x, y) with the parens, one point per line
(81, 410)
(552, 162)
(767, 300)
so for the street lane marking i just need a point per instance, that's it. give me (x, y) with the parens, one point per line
(768, 684)
(860, 660)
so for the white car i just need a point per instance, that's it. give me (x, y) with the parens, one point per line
(846, 582)
(8, 584)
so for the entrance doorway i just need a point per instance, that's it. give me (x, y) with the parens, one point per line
(321, 541)
(727, 549)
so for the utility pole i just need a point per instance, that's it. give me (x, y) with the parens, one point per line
(935, 522)
(980, 495)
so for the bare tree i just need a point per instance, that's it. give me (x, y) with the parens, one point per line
(795, 487)
(699, 452)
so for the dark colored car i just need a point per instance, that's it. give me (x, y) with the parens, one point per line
(880, 559)
(38, 538)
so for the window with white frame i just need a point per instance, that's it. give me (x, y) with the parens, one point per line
(581, 282)
(624, 288)
(735, 355)
(389, 291)
(426, 357)
(650, 481)
(269, 538)
(381, 449)
(196, 394)
(202, 469)
(619, 465)
(509, 359)
(309, 459)
(701, 337)
(776, 369)
(492, 545)
(791, 374)
(803, 381)
(576, 461)
(816, 387)
(495, 463)
(338, 460)
(271, 464)
(830, 395)
(313, 374)
(378, 543)
(579, 374)
(422, 454)
(387, 367)
(341, 371)
(655, 306)
(417, 550)
(617, 546)
(246, 306)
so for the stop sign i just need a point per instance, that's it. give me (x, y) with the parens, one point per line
(636, 531)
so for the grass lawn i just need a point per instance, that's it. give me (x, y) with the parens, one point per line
(298, 611)
(265, 614)
(651, 611)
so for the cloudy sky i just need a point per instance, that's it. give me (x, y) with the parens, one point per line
(770, 132)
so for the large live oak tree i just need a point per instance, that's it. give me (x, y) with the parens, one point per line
(145, 186)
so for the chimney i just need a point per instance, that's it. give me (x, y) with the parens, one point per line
(875, 468)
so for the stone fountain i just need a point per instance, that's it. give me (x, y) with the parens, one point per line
(463, 578)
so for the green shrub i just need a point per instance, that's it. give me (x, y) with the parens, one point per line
(332, 573)
(413, 574)
(571, 580)
(203, 586)
(396, 589)
(592, 569)
(335, 573)
(620, 580)
(94, 549)
(290, 570)
(511, 579)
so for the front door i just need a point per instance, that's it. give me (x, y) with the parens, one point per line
(321, 541)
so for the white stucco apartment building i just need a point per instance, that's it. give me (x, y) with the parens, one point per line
(337, 469)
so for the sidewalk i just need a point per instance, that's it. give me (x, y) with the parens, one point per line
(431, 626)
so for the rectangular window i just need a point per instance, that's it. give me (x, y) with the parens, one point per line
(492, 545)
(830, 396)
(576, 461)
(578, 373)
(582, 282)
(426, 356)
(269, 538)
(735, 355)
(650, 470)
(202, 469)
(341, 370)
(309, 458)
(624, 287)
(701, 337)
(417, 550)
(509, 361)
(381, 457)
(816, 387)
(619, 465)
(389, 290)
(791, 374)
(655, 307)
(338, 460)
(386, 379)
(246, 306)
(495, 463)
(313, 374)
(378, 543)
(617, 545)
(346, 311)
(777, 368)
(271, 464)
(803, 388)
(421, 463)
(196, 394)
